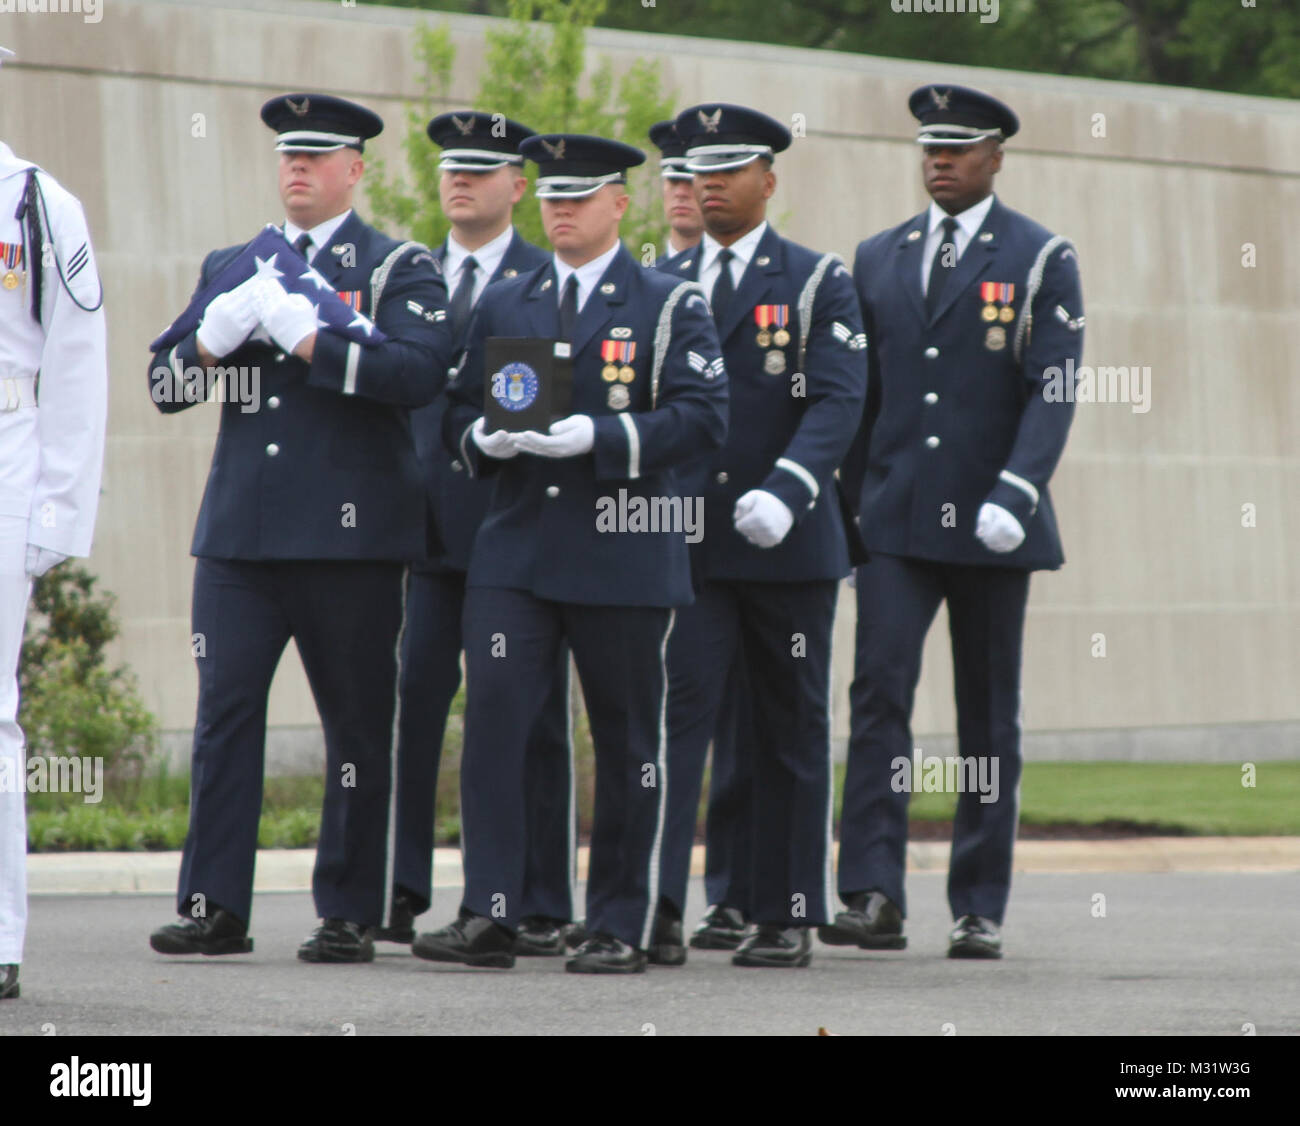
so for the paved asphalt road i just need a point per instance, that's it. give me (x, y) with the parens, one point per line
(1175, 954)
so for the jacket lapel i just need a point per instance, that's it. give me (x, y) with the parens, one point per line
(610, 291)
(910, 247)
(542, 298)
(976, 258)
(755, 282)
(511, 262)
(329, 261)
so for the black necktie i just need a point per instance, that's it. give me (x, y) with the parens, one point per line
(569, 307)
(724, 289)
(941, 265)
(463, 299)
(302, 244)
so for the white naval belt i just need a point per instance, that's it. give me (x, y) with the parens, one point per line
(17, 391)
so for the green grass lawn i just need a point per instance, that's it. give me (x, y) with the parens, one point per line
(1205, 800)
(150, 812)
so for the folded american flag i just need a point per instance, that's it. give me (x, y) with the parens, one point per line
(270, 255)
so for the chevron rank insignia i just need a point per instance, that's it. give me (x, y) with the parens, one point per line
(716, 368)
(696, 361)
(845, 335)
(433, 316)
(1074, 324)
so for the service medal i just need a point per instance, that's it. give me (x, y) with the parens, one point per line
(988, 294)
(618, 398)
(766, 316)
(1006, 314)
(11, 253)
(996, 338)
(618, 355)
(774, 363)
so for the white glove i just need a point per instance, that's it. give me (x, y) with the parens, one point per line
(501, 444)
(41, 559)
(289, 318)
(228, 320)
(762, 518)
(566, 437)
(998, 530)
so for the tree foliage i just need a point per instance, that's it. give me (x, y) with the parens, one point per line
(534, 72)
(1239, 46)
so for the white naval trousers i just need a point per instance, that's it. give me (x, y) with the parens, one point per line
(15, 588)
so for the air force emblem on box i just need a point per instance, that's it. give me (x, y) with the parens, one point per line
(515, 387)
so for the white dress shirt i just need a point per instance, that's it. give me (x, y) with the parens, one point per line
(742, 251)
(488, 256)
(968, 225)
(321, 235)
(589, 273)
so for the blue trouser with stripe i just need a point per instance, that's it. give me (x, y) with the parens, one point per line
(512, 644)
(897, 601)
(781, 633)
(430, 678)
(346, 618)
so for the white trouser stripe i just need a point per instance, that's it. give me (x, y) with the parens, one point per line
(573, 789)
(464, 453)
(350, 369)
(828, 879)
(390, 845)
(633, 446)
(1020, 483)
(661, 788)
(809, 481)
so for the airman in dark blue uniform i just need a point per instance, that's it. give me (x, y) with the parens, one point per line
(974, 317)
(585, 542)
(775, 548)
(313, 504)
(481, 179)
(727, 825)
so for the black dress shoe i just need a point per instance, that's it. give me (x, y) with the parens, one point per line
(8, 982)
(722, 928)
(217, 933)
(474, 940)
(975, 937)
(666, 945)
(575, 934)
(337, 940)
(539, 937)
(605, 954)
(878, 926)
(401, 921)
(775, 946)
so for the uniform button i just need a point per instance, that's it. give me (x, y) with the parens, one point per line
(721, 478)
(552, 490)
(931, 397)
(932, 441)
(272, 450)
(456, 465)
(273, 402)
(279, 357)
(931, 352)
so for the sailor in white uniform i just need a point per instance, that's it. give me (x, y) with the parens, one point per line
(52, 350)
